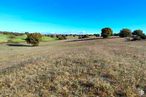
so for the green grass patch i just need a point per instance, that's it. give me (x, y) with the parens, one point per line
(18, 39)
(72, 37)
(3, 38)
(46, 39)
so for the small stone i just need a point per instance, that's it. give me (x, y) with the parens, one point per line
(140, 91)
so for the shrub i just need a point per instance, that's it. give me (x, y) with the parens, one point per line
(125, 33)
(33, 38)
(135, 37)
(106, 32)
(80, 37)
(52, 36)
(139, 33)
(83, 36)
(26, 33)
(10, 41)
(116, 34)
(61, 37)
(12, 36)
(97, 35)
(74, 35)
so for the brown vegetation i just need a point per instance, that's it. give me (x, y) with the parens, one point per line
(104, 68)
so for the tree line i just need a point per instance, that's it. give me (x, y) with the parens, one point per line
(135, 35)
(107, 32)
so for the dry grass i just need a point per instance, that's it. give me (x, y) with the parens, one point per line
(104, 68)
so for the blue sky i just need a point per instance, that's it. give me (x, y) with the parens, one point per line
(71, 16)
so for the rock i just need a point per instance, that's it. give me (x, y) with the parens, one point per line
(141, 92)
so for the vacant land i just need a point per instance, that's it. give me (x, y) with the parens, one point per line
(89, 68)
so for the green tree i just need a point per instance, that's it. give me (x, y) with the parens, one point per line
(33, 38)
(139, 33)
(106, 32)
(97, 35)
(125, 33)
(83, 36)
(61, 37)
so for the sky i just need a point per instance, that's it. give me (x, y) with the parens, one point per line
(71, 16)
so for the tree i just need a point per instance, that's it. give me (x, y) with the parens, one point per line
(116, 34)
(61, 37)
(106, 32)
(97, 35)
(125, 33)
(26, 33)
(83, 36)
(139, 33)
(33, 38)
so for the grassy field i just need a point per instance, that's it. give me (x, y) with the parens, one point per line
(3, 38)
(46, 39)
(89, 68)
(19, 39)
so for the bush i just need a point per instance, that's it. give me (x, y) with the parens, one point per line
(139, 33)
(12, 36)
(83, 36)
(33, 38)
(135, 37)
(61, 37)
(125, 33)
(106, 32)
(97, 35)
(52, 36)
(116, 34)
(74, 35)
(80, 37)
